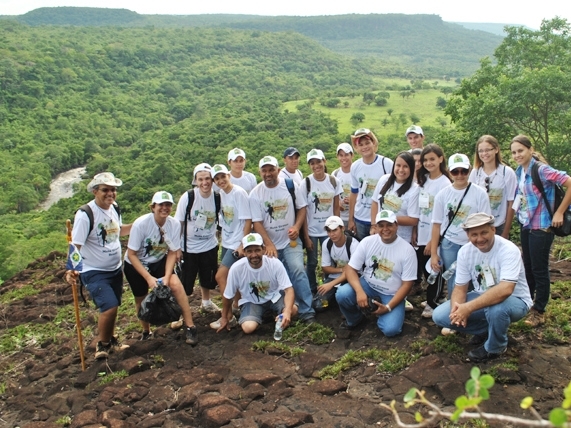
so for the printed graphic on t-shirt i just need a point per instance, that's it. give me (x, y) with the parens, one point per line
(259, 289)
(228, 214)
(107, 232)
(155, 249)
(369, 187)
(427, 212)
(495, 196)
(322, 201)
(481, 278)
(381, 268)
(461, 215)
(340, 263)
(345, 195)
(210, 219)
(277, 210)
(392, 203)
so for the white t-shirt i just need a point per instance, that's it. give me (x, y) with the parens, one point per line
(502, 184)
(445, 204)
(101, 250)
(145, 239)
(246, 182)
(201, 228)
(338, 257)
(405, 205)
(257, 285)
(386, 265)
(319, 202)
(296, 176)
(364, 179)
(344, 179)
(234, 211)
(274, 209)
(427, 193)
(504, 263)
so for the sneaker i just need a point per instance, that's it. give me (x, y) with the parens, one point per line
(210, 307)
(117, 346)
(478, 339)
(345, 326)
(423, 304)
(480, 355)
(447, 331)
(534, 318)
(177, 325)
(146, 335)
(408, 306)
(232, 323)
(309, 320)
(102, 351)
(191, 335)
(427, 312)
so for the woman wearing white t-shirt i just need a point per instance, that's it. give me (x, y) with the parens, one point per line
(321, 193)
(497, 179)
(151, 255)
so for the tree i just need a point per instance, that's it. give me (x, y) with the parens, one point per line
(414, 118)
(527, 91)
(446, 90)
(390, 111)
(441, 103)
(357, 118)
(380, 101)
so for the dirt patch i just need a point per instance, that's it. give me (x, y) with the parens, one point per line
(222, 382)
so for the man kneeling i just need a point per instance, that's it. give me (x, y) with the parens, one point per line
(263, 284)
(501, 296)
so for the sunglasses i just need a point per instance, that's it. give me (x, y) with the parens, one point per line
(108, 189)
(487, 181)
(459, 171)
(162, 232)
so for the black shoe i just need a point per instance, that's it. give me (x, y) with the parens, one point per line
(102, 351)
(345, 326)
(146, 335)
(480, 355)
(191, 335)
(478, 339)
(308, 321)
(117, 346)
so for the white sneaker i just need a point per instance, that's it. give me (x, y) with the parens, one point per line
(177, 325)
(447, 331)
(408, 306)
(423, 304)
(427, 312)
(232, 323)
(210, 307)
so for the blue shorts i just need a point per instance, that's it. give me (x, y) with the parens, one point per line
(255, 312)
(104, 287)
(228, 258)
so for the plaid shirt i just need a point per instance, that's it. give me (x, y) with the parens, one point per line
(537, 214)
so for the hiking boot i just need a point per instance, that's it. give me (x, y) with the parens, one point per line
(534, 318)
(191, 335)
(117, 346)
(102, 351)
(408, 306)
(177, 325)
(146, 335)
(427, 312)
(447, 331)
(233, 322)
(345, 326)
(480, 355)
(210, 307)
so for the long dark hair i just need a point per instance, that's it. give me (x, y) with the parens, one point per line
(409, 159)
(422, 173)
(525, 141)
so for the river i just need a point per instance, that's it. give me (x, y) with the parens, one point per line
(62, 186)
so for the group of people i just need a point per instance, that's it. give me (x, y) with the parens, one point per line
(381, 226)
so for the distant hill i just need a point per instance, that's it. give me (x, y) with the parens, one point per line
(497, 29)
(425, 44)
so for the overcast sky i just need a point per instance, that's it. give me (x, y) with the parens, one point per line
(497, 11)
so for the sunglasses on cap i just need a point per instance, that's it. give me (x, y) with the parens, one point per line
(459, 171)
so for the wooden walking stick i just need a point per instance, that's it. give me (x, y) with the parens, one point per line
(71, 277)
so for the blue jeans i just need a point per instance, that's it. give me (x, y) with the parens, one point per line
(312, 261)
(363, 229)
(390, 323)
(292, 258)
(536, 246)
(494, 320)
(449, 254)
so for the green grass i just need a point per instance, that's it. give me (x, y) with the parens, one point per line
(29, 334)
(64, 421)
(112, 377)
(449, 344)
(19, 293)
(264, 345)
(512, 364)
(301, 333)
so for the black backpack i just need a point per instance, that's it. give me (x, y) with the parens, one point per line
(348, 241)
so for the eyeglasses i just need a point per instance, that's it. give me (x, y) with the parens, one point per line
(108, 189)
(458, 171)
(487, 181)
(485, 151)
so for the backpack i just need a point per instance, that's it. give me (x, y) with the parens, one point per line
(332, 180)
(87, 210)
(565, 228)
(217, 205)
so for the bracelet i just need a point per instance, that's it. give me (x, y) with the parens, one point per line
(388, 307)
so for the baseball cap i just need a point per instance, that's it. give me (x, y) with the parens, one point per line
(218, 169)
(477, 219)
(333, 222)
(162, 196)
(104, 178)
(458, 160)
(234, 153)
(315, 154)
(268, 160)
(345, 147)
(252, 239)
(361, 132)
(414, 129)
(386, 215)
(199, 168)
(290, 151)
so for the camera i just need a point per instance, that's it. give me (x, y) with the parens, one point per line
(372, 306)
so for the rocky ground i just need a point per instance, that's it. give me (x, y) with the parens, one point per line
(223, 382)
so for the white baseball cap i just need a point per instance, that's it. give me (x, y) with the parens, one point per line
(268, 160)
(386, 215)
(333, 222)
(346, 147)
(234, 153)
(252, 239)
(104, 178)
(458, 160)
(315, 154)
(199, 168)
(218, 169)
(162, 196)
(414, 129)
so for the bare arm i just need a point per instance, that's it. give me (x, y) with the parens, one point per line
(271, 250)
(355, 283)
(435, 261)
(289, 299)
(509, 220)
(558, 215)
(125, 229)
(352, 202)
(336, 206)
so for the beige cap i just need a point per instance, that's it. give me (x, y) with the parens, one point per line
(477, 219)
(103, 178)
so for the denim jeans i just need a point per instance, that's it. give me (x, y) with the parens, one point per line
(292, 258)
(312, 261)
(494, 320)
(363, 229)
(536, 246)
(390, 323)
(449, 254)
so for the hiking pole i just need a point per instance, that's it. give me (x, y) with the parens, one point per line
(72, 280)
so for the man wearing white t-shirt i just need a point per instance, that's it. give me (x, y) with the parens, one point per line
(493, 265)
(415, 137)
(291, 165)
(97, 238)
(279, 221)
(263, 285)
(388, 275)
(343, 176)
